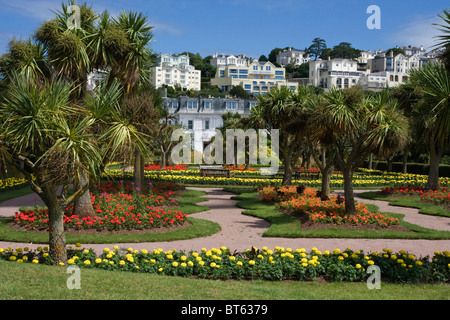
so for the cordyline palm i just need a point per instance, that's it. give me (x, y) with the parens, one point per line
(39, 130)
(277, 110)
(355, 126)
(444, 38)
(24, 57)
(432, 114)
(67, 46)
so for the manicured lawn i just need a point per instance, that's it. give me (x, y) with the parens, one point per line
(283, 225)
(409, 201)
(40, 282)
(188, 203)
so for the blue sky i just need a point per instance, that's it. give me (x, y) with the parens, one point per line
(250, 27)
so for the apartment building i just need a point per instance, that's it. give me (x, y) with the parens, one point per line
(259, 77)
(175, 71)
(339, 73)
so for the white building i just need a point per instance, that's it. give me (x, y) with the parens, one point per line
(291, 55)
(224, 60)
(175, 71)
(339, 73)
(201, 116)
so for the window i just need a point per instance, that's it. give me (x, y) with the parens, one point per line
(255, 68)
(174, 104)
(206, 124)
(231, 105)
(190, 124)
(247, 86)
(207, 105)
(192, 105)
(267, 68)
(279, 73)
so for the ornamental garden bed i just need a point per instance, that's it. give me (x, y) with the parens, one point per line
(119, 207)
(314, 213)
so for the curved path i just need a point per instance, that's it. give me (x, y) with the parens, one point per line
(240, 232)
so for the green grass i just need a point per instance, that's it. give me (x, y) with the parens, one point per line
(40, 282)
(188, 204)
(409, 201)
(286, 226)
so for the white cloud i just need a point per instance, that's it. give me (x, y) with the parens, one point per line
(418, 32)
(37, 10)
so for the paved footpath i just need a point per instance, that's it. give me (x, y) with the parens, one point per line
(240, 232)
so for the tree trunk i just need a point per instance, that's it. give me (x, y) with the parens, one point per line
(83, 206)
(370, 161)
(137, 177)
(350, 207)
(57, 239)
(433, 175)
(326, 177)
(287, 177)
(389, 164)
(405, 161)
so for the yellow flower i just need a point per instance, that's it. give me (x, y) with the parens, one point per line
(144, 251)
(251, 262)
(304, 264)
(201, 263)
(169, 256)
(336, 251)
(358, 266)
(116, 248)
(98, 260)
(160, 269)
(419, 263)
(45, 255)
(61, 263)
(35, 261)
(87, 262)
(212, 265)
(175, 264)
(190, 263)
(106, 250)
(111, 262)
(183, 265)
(239, 263)
(78, 245)
(121, 262)
(370, 262)
(183, 258)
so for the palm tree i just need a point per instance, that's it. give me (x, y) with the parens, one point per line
(432, 114)
(41, 130)
(279, 110)
(444, 39)
(67, 47)
(355, 125)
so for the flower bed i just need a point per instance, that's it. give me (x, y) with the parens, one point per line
(118, 206)
(330, 211)
(273, 265)
(441, 196)
(177, 167)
